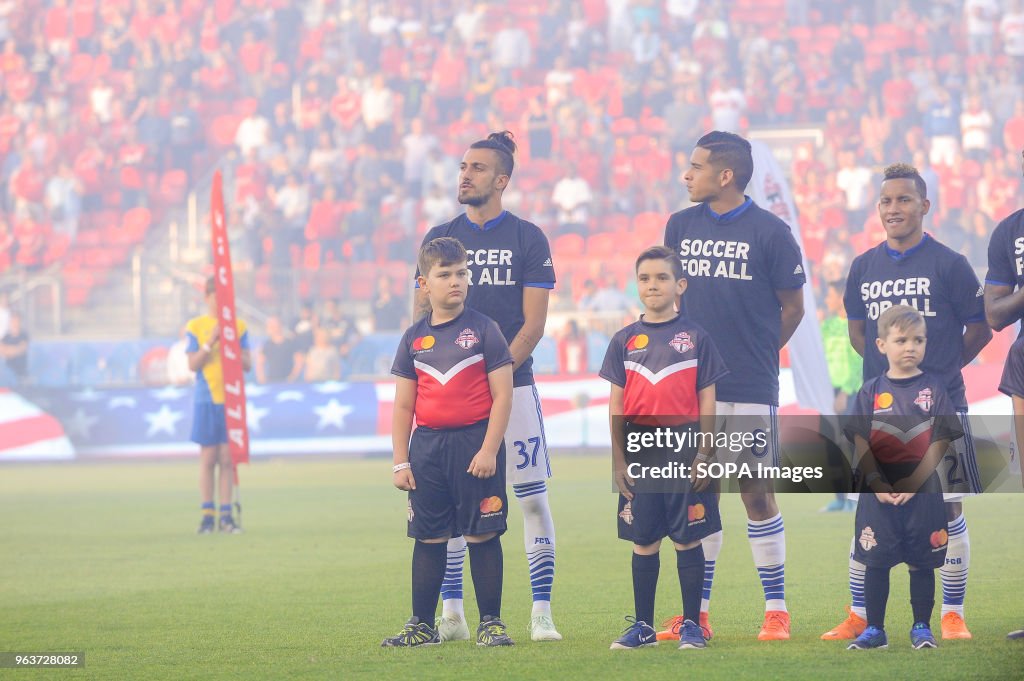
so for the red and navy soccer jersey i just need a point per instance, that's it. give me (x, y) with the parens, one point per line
(661, 367)
(733, 264)
(1012, 381)
(505, 255)
(1006, 253)
(935, 280)
(900, 418)
(450, 363)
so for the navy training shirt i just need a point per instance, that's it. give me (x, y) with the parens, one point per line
(506, 255)
(1006, 253)
(935, 280)
(450, 363)
(661, 366)
(900, 418)
(733, 264)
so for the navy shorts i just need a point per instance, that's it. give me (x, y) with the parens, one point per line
(914, 533)
(447, 500)
(666, 507)
(208, 425)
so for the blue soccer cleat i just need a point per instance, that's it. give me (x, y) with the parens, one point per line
(412, 635)
(873, 637)
(921, 636)
(691, 635)
(636, 635)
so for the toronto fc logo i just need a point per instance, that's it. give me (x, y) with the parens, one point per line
(681, 342)
(627, 513)
(467, 339)
(867, 539)
(924, 400)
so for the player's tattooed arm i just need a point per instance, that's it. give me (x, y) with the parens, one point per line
(535, 315)
(1003, 305)
(792, 301)
(420, 305)
(856, 329)
(976, 336)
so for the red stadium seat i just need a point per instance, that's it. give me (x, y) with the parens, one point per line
(603, 245)
(624, 127)
(223, 129)
(136, 222)
(173, 187)
(567, 245)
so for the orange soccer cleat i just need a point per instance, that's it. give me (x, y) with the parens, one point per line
(775, 627)
(954, 627)
(849, 629)
(674, 624)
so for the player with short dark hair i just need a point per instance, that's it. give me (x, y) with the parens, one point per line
(745, 275)
(911, 268)
(454, 377)
(663, 369)
(209, 429)
(901, 424)
(511, 277)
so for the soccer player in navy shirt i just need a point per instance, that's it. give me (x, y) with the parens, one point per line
(1004, 305)
(745, 276)
(901, 424)
(1004, 282)
(454, 376)
(663, 369)
(511, 277)
(912, 268)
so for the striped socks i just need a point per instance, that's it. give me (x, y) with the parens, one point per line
(768, 545)
(712, 546)
(451, 587)
(539, 541)
(954, 571)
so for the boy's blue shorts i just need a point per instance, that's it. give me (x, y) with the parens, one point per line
(208, 425)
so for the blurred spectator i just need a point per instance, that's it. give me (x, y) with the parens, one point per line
(322, 361)
(855, 180)
(278, 360)
(982, 16)
(253, 134)
(379, 113)
(942, 125)
(416, 146)
(728, 105)
(976, 127)
(1013, 131)
(510, 50)
(389, 313)
(1011, 30)
(572, 349)
(608, 298)
(14, 348)
(302, 329)
(64, 201)
(5, 312)
(572, 197)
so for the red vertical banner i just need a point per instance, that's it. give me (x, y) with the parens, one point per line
(230, 343)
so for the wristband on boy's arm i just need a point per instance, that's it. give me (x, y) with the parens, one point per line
(401, 466)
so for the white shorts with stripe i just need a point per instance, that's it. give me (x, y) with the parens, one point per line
(749, 421)
(526, 447)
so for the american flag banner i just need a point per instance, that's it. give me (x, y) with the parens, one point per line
(27, 432)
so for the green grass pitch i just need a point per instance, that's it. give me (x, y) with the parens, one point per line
(102, 558)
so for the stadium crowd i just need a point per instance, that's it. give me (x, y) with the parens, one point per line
(343, 121)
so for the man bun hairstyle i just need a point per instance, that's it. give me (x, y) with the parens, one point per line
(662, 253)
(729, 150)
(442, 251)
(905, 171)
(504, 144)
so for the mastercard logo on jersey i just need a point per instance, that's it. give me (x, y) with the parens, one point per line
(637, 342)
(883, 401)
(422, 343)
(490, 505)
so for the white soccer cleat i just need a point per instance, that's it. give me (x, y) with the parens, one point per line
(452, 628)
(542, 628)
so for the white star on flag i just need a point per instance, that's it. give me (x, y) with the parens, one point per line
(123, 401)
(87, 395)
(253, 416)
(256, 390)
(163, 421)
(331, 388)
(332, 414)
(289, 396)
(80, 424)
(169, 393)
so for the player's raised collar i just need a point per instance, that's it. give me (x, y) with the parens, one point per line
(732, 214)
(490, 224)
(897, 256)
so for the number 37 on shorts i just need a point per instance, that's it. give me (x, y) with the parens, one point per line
(526, 449)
